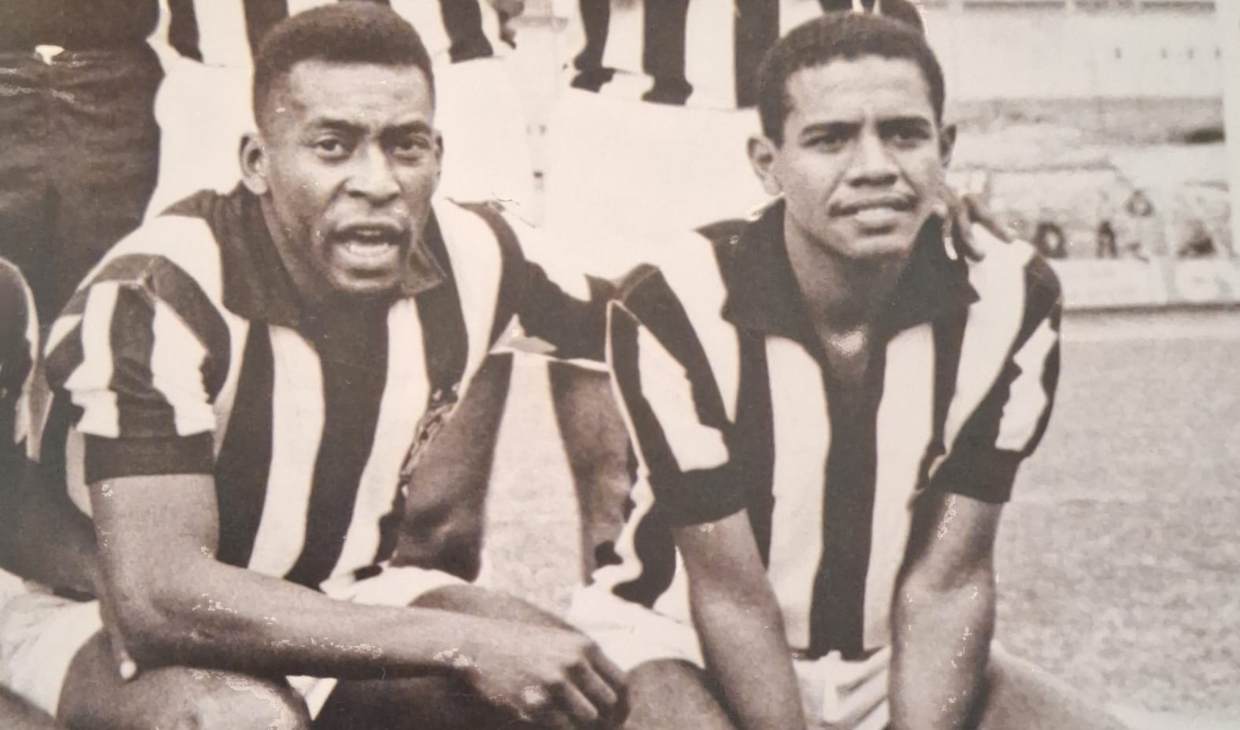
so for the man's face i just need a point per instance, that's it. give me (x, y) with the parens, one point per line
(349, 160)
(861, 166)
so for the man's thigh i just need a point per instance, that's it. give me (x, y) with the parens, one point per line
(674, 694)
(95, 696)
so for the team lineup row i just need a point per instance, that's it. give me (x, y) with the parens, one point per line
(237, 450)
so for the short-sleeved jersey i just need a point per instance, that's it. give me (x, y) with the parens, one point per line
(19, 349)
(701, 53)
(227, 32)
(187, 352)
(732, 407)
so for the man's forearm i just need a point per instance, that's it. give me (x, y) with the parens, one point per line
(214, 615)
(941, 650)
(746, 651)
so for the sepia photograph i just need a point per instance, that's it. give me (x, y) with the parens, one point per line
(620, 364)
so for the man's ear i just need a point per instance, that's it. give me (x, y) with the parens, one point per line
(254, 163)
(762, 151)
(439, 148)
(947, 143)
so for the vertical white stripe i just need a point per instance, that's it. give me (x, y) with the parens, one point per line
(404, 394)
(803, 437)
(297, 428)
(1027, 399)
(665, 386)
(710, 49)
(176, 372)
(33, 400)
(477, 266)
(222, 36)
(630, 565)
(90, 384)
(993, 323)
(905, 426)
(689, 265)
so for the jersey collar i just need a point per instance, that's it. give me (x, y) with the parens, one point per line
(256, 284)
(763, 294)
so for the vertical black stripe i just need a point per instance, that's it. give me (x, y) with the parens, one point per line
(260, 16)
(753, 442)
(663, 50)
(445, 338)
(755, 29)
(837, 609)
(462, 20)
(948, 334)
(244, 464)
(1050, 382)
(183, 28)
(652, 540)
(595, 21)
(353, 352)
(141, 409)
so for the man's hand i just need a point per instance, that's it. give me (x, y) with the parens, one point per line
(554, 677)
(961, 212)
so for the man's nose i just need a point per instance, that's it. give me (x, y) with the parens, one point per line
(373, 176)
(872, 162)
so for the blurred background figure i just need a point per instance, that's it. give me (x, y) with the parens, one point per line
(204, 105)
(1049, 239)
(1104, 241)
(1141, 234)
(77, 88)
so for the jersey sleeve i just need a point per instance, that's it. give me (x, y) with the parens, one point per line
(674, 414)
(556, 303)
(1009, 422)
(141, 352)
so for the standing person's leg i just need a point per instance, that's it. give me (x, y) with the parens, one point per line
(25, 203)
(106, 161)
(1021, 696)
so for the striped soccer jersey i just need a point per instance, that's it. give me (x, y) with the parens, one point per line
(187, 352)
(731, 407)
(702, 53)
(19, 349)
(227, 32)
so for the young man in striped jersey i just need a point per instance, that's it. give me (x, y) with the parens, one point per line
(248, 378)
(829, 408)
(203, 105)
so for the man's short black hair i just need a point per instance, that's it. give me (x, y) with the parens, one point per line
(344, 32)
(835, 36)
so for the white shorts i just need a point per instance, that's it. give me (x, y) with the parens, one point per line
(831, 688)
(203, 111)
(41, 633)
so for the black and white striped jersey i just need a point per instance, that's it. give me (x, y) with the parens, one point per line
(187, 352)
(702, 53)
(732, 407)
(226, 32)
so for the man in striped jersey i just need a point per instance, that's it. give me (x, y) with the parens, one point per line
(19, 336)
(829, 409)
(203, 106)
(247, 378)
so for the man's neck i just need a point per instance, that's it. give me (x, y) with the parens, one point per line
(841, 294)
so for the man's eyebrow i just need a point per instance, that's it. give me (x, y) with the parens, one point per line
(835, 125)
(340, 125)
(911, 120)
(414, 127)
